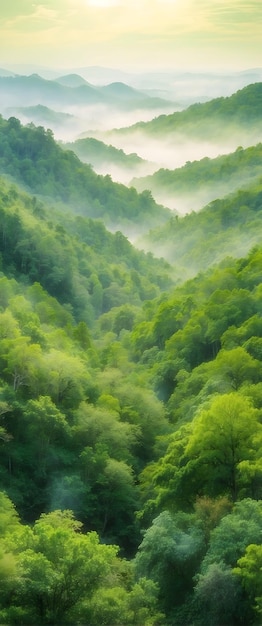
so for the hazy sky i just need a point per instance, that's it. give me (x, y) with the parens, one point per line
(132, 34)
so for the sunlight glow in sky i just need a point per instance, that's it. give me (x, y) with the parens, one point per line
(133, 34)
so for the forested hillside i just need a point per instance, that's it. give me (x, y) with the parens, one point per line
(227, 226)
(107, 158)
(31, 155)
(199, 182)
(240, 114)
(96, 152)
(130, 400)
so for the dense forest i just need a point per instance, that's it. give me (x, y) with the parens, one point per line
(130, 398)
(30, 155)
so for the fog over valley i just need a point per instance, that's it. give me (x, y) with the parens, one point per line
(130, 313)
(116, 115)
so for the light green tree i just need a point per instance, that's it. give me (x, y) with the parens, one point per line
(249, 569)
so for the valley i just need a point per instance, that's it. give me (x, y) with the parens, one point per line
(130, 348)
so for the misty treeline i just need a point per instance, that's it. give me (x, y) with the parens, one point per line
(199, 182)
(239, 112)
(130, 400)
(30, 154)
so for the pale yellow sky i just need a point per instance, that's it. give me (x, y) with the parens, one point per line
(133, 34)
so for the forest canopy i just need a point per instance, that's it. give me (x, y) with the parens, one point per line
(130, 400)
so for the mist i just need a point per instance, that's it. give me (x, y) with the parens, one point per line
(83, 121)
(72, 117)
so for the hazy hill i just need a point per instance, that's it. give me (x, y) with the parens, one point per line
(96, 152)
(31, 155)
(122, 92)
(71, 80)
(108, 159)
(42, 116)
(199, 182)
(33, 90)
(179, 86)
(239, 114)
(4, 72)
(226, 227)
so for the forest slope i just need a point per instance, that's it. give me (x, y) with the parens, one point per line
(130, 407)
(199, 182)
(120, 428)
(239, 114)
(108, 159)
(230, 226)
(31, 155)
(74, 258)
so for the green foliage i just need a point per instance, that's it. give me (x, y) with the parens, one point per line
(204, 238)
(53, 573)
(197, 183)
(169, 554)
(213, 119)
(127, 403)
(250, 572)
(80, 264)
(218, 596)
(31, 155)
(97, 153)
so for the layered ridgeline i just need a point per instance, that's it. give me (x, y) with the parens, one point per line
(31, 155)
(41, 115)
(70, 105)
(227, 226)
(72, 91)
(239, 114)
(127, 402)
(75, 258)
(199, 182)
(108, 159)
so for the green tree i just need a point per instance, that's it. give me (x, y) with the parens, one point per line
(58, 567)
(170, 554)
(235, 531)
(218, 596)
(47, 428)
(224, 435)
(249, 570)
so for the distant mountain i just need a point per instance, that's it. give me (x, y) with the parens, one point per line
(178, 86)
(187, 88)
(42, 115)
(4, 72)
(71, 80)
(33, 90)
(125, 94)
(103, 75)
(121, 90)
(26, 69)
